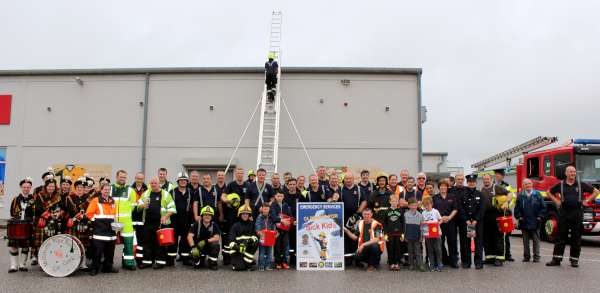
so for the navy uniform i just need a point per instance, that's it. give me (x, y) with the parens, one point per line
(258, 196)
(570, 220)
(202, 248)
(181, 222)
(461, 227)
(292, 199)
(446, 206)
(319, 195)
(368, 188)
(230, 213)
(471, 209)
(352, 198)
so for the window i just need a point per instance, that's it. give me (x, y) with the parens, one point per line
(547, 166)
(561, 161)
(533, 168)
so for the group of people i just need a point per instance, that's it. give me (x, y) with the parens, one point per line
(401, 214)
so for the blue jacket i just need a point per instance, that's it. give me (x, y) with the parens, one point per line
(262, 223)
(530, 211)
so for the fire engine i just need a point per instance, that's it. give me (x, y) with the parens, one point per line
(545, 166)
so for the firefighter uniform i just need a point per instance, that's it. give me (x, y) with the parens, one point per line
(493, 240)
(125, 201)
(243, 242)
(570, 220)
(102, 212)
(201, 233)
(471, 209)
(236, 193)
(159, 204)
(138, 221)
(181, 222)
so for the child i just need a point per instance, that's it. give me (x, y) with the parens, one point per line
(394, 229)
(413, 220)
(433, 245)
(264, 221)
(281, 211)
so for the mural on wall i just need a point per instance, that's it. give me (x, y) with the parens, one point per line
(77, 170)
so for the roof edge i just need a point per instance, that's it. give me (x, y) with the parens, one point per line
(179, 70)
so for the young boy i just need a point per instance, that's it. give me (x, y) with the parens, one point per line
(282, 212)
(394, 229)
(264, 221)
(432, 244)
(413, 220)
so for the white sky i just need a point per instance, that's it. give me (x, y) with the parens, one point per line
(496, 73)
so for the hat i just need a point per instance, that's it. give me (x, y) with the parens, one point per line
(55, 208)
(49, 172)
(51, 180)
(104, 179)
(500, 171)
(26, 180)
(251, 173)
(471, 177)
(382, 175)
(207, 210)
(66, 179)
(182, 176)
(89, 181)
(245, 209)
(80, 181)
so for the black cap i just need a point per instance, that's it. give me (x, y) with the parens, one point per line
(500, 171)
(26, 180)
(66, 179)
(51, 180)
(471, 177)
(80, 182)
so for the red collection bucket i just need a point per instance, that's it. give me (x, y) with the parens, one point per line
(433, 230)
(267, 237)
(505, 224)
(165, 236)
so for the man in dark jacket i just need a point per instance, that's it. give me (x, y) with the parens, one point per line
(271, 70)
(530, 210)
(471, 212)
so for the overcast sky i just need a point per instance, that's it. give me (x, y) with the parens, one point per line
(495, 73)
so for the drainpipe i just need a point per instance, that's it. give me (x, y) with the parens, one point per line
(420, 123)
(145, 125)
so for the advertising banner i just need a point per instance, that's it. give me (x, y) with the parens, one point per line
(320, 237)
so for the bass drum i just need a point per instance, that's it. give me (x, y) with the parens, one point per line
(61, 255)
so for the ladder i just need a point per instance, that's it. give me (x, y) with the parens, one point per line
(507, 155)
(268, 139)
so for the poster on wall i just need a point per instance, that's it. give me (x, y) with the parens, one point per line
(320, 237)
(77, 170)
(2, 174)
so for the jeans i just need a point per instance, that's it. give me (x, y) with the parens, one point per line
(415, 256)
(434, 252)
(265, 258)
(535, 236)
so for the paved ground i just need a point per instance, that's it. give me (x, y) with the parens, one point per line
(513, 277)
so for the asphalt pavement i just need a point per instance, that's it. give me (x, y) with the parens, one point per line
(512, 277)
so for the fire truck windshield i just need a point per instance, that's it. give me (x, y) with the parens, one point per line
(589, 164)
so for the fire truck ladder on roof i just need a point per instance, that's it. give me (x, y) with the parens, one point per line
(268, 139)
(507, 155)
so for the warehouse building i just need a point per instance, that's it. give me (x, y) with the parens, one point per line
(99, 121)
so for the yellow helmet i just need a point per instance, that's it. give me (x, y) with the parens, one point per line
(251, 173)
(245, 209)
(207, 210)
(272, 55)
(234, 200)
(322, 234)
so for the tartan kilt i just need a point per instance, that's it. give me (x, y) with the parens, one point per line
(25, 243)
(83, 235)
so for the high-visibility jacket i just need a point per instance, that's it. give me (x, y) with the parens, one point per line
(168, 186)
(374, 225)
(167, 204)
(102, 213)
(124, 198)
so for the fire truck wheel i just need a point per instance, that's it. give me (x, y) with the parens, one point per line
(551, 227)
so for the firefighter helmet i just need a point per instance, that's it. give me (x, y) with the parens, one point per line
(272, 55)
(322, 234)
(234, 200)
(245, 209)
(207, 210)
(182, 176)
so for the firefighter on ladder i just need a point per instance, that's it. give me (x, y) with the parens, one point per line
(271, 70)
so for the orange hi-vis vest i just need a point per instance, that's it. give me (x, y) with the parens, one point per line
(102, 214)
(374, 225)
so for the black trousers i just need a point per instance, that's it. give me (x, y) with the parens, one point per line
(570, 221)
(153, 253)
(292, 245)
(210, 250)
(225, 227)
(139, 236)
(350, 246)
(371, 255)
(103, 249)
(478, 260)
(181, 247)
(281, 247)
(493, 239)
(465, 242)
(449, 245)
(393, 246)
(271, 81)
(243, 261)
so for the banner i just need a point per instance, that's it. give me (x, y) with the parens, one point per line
(2, 174)
(320, 237)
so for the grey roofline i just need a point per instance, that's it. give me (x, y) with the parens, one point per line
(175, 70)
(435, 154)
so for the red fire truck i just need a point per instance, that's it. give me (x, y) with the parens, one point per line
(547, 167)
